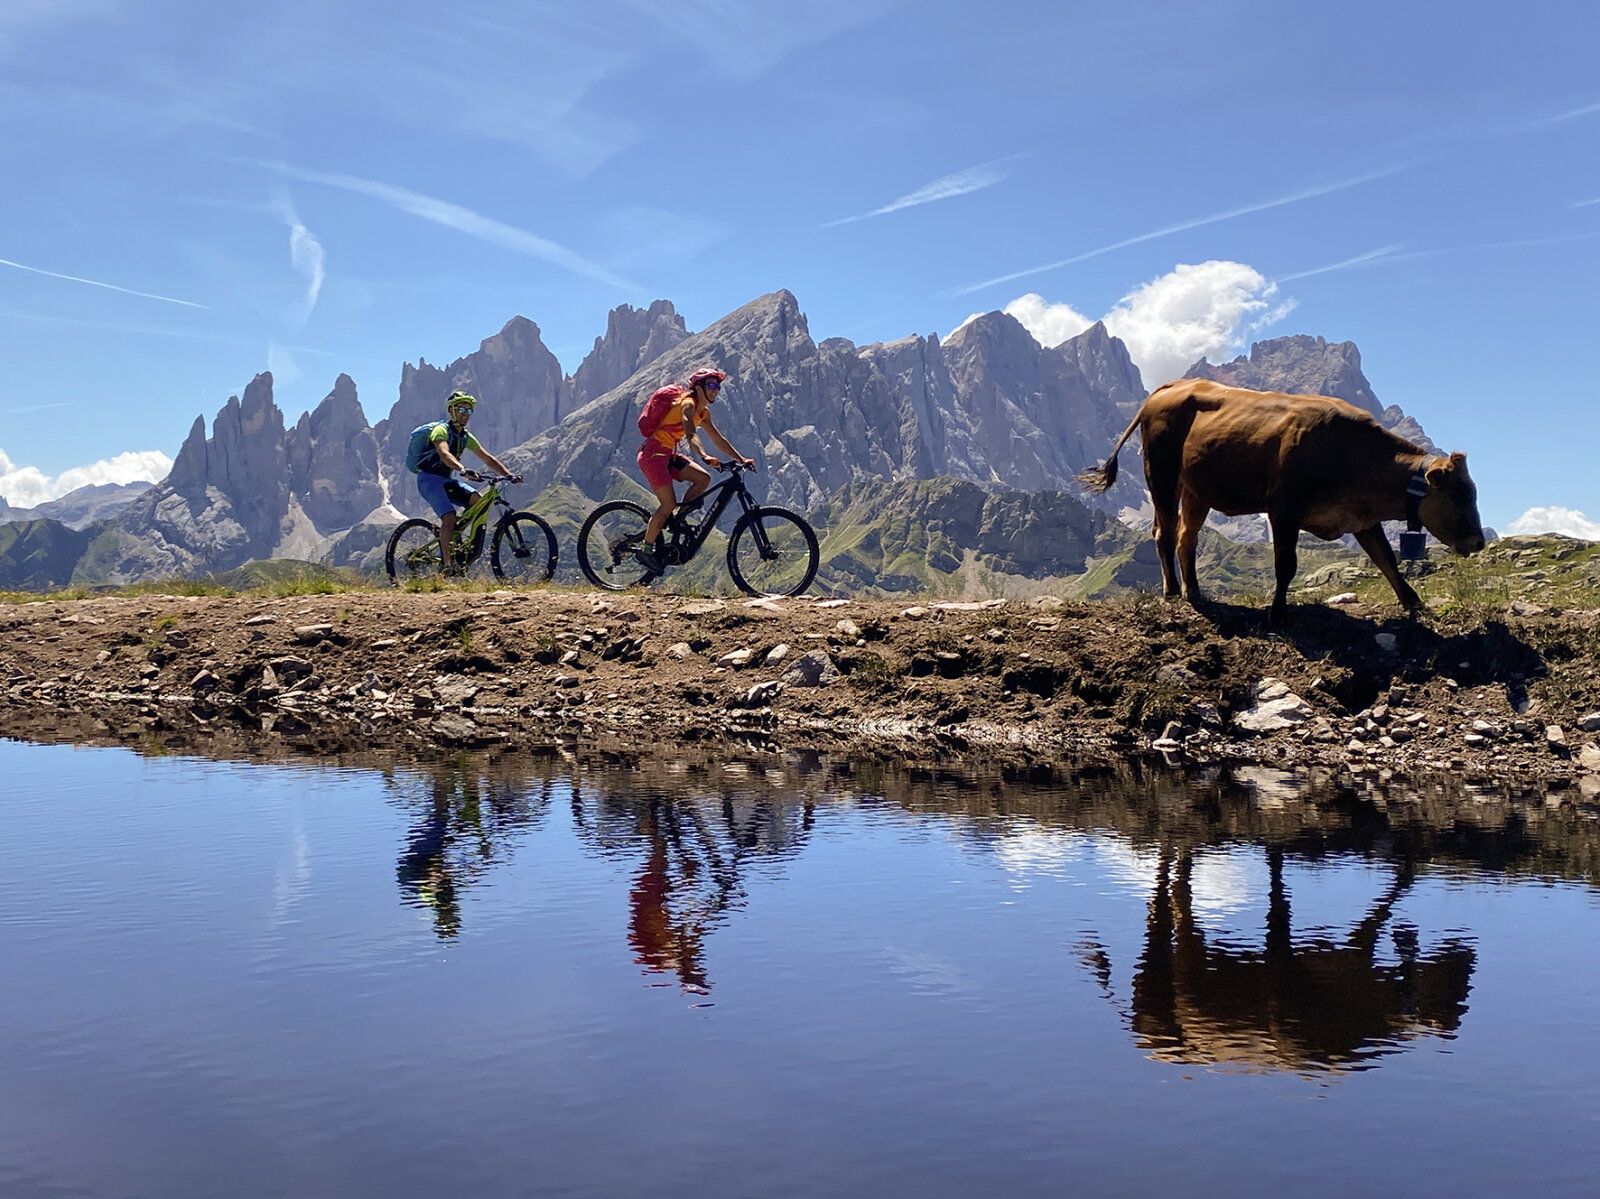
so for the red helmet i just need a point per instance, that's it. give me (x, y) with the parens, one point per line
(707, 374)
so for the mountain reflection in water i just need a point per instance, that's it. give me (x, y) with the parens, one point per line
(691, 834)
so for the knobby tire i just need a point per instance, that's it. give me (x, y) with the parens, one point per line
(524, 549)
(407, 556)
(792, 544)
(603, 556)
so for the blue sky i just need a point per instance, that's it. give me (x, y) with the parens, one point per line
(198, 192)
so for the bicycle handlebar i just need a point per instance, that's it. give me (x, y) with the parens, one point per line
(492, 480)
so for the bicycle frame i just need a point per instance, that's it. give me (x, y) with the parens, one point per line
(472, 522)
(681, 549)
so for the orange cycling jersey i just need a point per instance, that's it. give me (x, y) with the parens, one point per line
(670, 431)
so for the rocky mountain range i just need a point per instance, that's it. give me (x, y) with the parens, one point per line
(987, 406)
(79, 507)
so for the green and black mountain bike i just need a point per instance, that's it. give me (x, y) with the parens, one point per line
(771, 551)
(523, 549)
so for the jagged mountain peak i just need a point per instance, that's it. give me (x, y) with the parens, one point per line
(634, 337)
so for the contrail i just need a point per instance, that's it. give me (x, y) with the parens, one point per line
(1310, 193)
(944, 188)
(463, 220)
(1358, 260)
(127, 291)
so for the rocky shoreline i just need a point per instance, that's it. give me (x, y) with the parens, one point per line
(1506, 694)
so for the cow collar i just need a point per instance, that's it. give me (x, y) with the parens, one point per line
(1415, 490)
(1414, 542)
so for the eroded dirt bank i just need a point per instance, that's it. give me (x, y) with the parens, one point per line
(1504, 692)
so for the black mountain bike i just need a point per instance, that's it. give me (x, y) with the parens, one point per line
(523, 550)
(771, 551)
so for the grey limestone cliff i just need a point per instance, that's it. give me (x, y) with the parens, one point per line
(989, 405)
(519, 387)
(634, 338)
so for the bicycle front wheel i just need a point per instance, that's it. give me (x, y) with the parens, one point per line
(524, 549)
(607, 543)
(773, 552)
(413, 552)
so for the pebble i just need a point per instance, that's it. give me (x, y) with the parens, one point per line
(1387, 642)
(736, 658)
(680, 649)
(915, 612)
(1589, 723)
(1344, 597)
(848, 628)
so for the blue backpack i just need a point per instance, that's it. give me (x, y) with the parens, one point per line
(420, 454)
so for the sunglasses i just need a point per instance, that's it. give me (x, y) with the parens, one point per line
(712, 385)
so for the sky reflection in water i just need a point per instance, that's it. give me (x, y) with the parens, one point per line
(525, 976)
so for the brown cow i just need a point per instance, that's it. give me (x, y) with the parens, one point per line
(1308, 462)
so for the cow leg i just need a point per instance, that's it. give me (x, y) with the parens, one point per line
(1191, 519)
(1165, 499)
(1285, 561)
(1380, 551)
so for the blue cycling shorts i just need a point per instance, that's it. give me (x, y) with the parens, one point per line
(443, 493)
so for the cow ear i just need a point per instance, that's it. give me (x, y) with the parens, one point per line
(1458, 460)
(1435, 474)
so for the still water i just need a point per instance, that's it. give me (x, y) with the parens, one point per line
(532, 976)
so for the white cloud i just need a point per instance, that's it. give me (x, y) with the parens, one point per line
(28, 486)
(281, 362)
(305, 255)
(1567, 521)
(1208, 308)
(1050, 324)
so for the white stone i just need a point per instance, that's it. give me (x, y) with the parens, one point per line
(832, 603)
(916, 612)
(1589, 756)
(1387, 642)
(1284, 712)
(736, 658)
(848, 628)
(1589, 723)
(679, 649)
(1270, 689)
(1344, 597)
(777, 653)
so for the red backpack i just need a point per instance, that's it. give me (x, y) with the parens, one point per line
(657, 407)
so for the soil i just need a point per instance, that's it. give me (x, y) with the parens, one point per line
(1509, 693)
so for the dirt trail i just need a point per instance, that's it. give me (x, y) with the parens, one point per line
(1490, 693)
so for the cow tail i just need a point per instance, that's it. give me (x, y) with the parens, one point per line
(1097, 480)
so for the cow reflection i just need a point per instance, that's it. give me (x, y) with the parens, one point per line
(1310, 1005)
(697, 852)
(467, 824)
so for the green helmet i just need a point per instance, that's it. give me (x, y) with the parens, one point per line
(460, 399)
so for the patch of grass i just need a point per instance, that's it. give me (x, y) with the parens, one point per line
(464, 638)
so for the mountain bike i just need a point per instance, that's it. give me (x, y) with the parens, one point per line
(771, 551)
(523, 549)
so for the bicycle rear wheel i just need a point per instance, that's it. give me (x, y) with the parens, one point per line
(773, 552)
(413, 551)
(607, 543)
(524, 549)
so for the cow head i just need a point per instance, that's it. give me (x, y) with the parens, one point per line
(1450, 509)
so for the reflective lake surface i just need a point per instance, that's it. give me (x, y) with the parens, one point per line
(525, 976)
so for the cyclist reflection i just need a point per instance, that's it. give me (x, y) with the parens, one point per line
(468, 824)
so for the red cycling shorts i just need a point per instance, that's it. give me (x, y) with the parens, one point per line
(660, 465)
